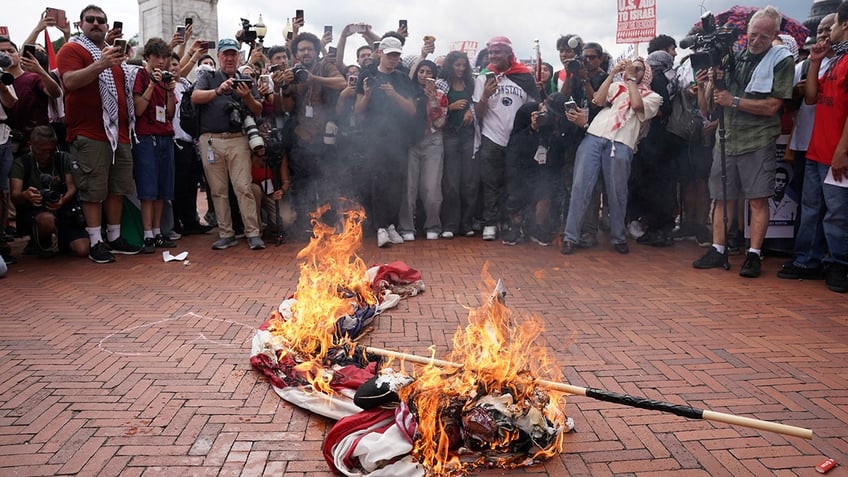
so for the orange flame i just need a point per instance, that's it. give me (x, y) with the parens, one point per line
(498, 358)
(332, 282)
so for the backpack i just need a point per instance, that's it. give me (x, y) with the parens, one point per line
(189, 114)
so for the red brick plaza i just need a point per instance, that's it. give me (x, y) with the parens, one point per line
(140, 367)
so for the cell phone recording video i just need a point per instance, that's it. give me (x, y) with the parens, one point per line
(118, 25)
(352, 80)
(298, 13)
(490, 76)
(29, 50)
(189, 21)
(570, 105)
(402, 24)
(122, 45)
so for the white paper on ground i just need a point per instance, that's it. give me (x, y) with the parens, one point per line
(832, 181)
(166, 256)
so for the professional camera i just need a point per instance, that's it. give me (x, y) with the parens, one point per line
(49, 195)
(711, 44)
(5, 62)
(574, 65)
(254, 139)
(301, 74)
(248, 35)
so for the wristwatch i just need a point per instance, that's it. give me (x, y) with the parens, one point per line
(735, 103)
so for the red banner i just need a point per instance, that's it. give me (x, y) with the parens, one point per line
(637, 21)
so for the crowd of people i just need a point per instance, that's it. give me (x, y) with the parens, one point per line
(431, 147)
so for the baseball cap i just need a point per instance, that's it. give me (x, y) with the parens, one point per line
(391, 44)
(227, 44)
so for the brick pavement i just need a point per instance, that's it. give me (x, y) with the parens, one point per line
(141, 367)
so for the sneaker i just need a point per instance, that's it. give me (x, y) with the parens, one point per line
(211, 219)
(449, 235)
(490, 232)
(791, 271)
(394, 236)
(174, 235)
(636, 229)
(382, 238)
(9, 259)
(408, 236)
(162, 242)
(751, 267)
(703, 236)
(255, 243)
(836, 278)
(149, 245)
(540, 240)
(432, 235)
(224, 242)
(711, 259)
(469, 233)
(511, 236)
(622, 248)
(100, 253)
(121, 246)
(567, 247)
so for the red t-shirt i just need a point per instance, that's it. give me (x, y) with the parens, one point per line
(831, 113)
(147, 124)
(31, 109)
(83, 106)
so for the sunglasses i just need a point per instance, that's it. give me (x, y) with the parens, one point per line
(93, 19)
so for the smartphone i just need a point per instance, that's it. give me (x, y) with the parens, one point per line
(352, 80)
(402, 25)
(490, 76)
(29, 48)
(331, 51)
(328, 30)
(376, 46)
(570, 105)
(298, 13)
(181, 31)
(189, 21)
(59, 15)
(118, 26)
(289, 35)
(122, 44)
(207, 45)
(266, 80)
(247, 81)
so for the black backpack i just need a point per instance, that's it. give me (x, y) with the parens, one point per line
(189, 114)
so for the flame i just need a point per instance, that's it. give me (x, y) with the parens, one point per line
(332, 283)
(499, 362)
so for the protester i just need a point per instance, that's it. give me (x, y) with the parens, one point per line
(100, 115)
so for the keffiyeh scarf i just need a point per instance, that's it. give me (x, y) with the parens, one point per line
(623, 111)
(109, 92)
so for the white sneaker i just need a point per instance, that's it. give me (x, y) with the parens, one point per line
(173, 235)
(382, 237)
(447, 235)
(490, 232)
(394, 237)
(408, 236)
(636, 229)
(432, 235)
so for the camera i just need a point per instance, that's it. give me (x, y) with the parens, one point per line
(241, 118)
(5, 62)
(712, 44)
(248, 35)
(301, 74)
(167, 77)
(574, 65)
(49, 195)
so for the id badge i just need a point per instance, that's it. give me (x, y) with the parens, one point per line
(160, 114)
(268, 186)
(541, 155)
(308, 111)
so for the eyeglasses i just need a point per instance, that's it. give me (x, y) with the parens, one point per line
(591, 57)
(92, 19)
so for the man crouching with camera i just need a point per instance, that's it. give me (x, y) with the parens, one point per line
(228, 103)
(45, 195)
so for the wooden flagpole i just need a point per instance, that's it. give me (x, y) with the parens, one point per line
(625, 399)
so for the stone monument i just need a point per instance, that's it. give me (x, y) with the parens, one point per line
(819, 9)
(161, 18)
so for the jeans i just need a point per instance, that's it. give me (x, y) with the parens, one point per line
(460, 181)
(595, 155)
(823, 225)
(492, 170)
(424, 179)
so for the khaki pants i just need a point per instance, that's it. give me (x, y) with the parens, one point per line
(232, 161)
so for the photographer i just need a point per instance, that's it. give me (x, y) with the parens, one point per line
(227, 101)
(153, 153)
(533, 171)
(45, 194)
(314, 87)
(756, 90)
(608, 146)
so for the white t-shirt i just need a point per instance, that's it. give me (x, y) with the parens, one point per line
(628, 133)
(807, 112)
(497, 123)
(178, 93)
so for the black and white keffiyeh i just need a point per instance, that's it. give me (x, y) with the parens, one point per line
(109, 92)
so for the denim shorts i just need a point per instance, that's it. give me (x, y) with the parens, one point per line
(153, 167)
